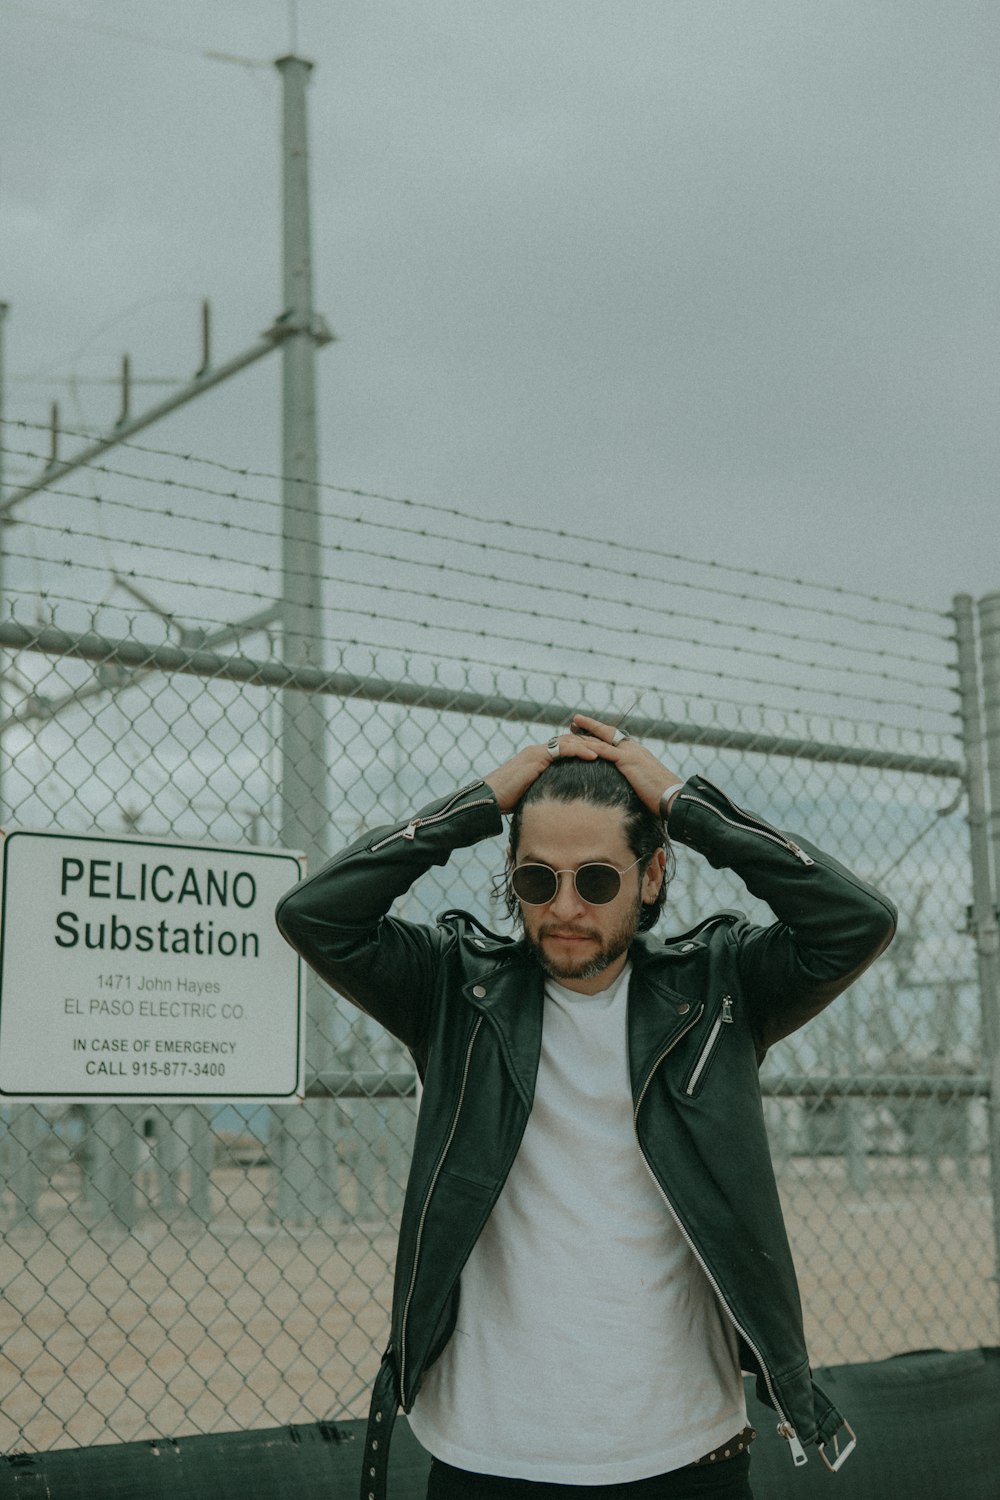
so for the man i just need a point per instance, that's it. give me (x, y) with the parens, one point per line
(591, 1247)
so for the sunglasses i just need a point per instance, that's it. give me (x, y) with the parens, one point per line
(537, 885)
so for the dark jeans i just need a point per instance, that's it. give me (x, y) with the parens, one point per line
(727, 1480)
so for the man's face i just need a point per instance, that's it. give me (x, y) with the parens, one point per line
(583, 946)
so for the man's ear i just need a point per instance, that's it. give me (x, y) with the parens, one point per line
(654, 875)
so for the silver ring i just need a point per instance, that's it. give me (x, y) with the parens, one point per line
(618, 736)
(553, 747)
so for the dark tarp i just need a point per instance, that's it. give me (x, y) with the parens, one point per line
(928, 1428)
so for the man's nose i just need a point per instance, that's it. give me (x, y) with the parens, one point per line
(565, 899)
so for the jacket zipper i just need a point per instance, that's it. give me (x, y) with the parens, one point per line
(668, 1048)
(785, 1426)
(724, 1018)
(410, 829)
(426, 1203)
(753, 825)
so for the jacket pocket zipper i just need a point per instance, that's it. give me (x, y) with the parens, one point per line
(426, 1203)
(668, 1048)
(752, 825)
(724, 1018)
(410, 829)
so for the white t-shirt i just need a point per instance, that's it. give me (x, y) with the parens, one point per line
(590, 1347)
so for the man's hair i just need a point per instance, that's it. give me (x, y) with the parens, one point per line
(600, 784)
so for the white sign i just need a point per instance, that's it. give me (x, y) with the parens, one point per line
(133, 968)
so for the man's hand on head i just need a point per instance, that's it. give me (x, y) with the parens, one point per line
(649, 778)
(511, 780)
(589, 739)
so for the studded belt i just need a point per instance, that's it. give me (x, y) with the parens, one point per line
(728, 1449)
(382, 1417)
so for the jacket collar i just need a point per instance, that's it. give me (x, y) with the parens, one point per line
(510, 993)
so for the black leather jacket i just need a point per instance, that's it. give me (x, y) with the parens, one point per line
(703, 1009)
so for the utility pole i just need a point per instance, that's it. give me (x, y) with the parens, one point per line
(307, 1175)
(24, 1174)
(303, 811)
(4, 309)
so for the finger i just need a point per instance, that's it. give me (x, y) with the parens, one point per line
(604, 749)
(568, 746)
(594, 726)
(579, 749)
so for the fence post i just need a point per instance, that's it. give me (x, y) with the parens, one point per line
(981, 735)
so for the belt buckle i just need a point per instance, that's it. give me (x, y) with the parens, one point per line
(840, 1456)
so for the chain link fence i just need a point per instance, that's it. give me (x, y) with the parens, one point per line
(179, 1268)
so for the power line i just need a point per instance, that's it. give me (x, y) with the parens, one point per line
(141, 39)
(75, 380)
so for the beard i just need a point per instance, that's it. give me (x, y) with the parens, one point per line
(611, 947)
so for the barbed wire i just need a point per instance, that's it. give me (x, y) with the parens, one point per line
(529, 611)
(590, 597)
(454, 512)
(632, 575)
(425, 595)
(467, 631)
(275, 577)
(813, 723)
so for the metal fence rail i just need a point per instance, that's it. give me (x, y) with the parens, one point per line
(192, 1268)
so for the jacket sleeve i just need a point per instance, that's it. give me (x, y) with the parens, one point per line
(830, 925)
(338, 918)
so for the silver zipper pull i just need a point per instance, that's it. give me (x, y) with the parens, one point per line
(410, 831)
(727, 1009)
(800, 853)
(798, 1452)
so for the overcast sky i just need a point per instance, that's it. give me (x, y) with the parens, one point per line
(719, 273)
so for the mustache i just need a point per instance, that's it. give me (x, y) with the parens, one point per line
(555, 929)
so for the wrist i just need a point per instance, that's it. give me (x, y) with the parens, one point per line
(667, 798)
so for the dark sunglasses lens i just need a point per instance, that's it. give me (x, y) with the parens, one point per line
(535, 884)
(598, 884)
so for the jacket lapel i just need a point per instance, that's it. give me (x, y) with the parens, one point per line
(658, 1015)
(511, 997)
